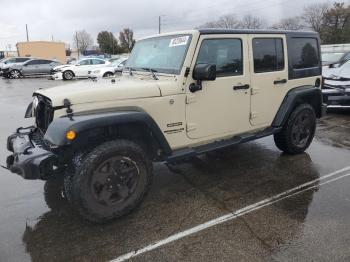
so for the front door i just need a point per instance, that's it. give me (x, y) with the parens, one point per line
(269, 80)
(83, 68)
(222, 106)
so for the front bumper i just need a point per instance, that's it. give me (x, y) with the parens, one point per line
(31, 159)
(336, 97)
(5, 72)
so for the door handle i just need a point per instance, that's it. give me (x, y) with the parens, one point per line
(278, 82)
(239, 87)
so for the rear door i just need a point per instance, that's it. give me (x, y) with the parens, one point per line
(269, 77)
(31, 67)
(45, 67)
(222, 106)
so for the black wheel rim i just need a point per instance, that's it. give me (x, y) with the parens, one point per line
(115, 180)
(302, 129)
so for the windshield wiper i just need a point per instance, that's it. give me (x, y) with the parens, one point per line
(152, 71)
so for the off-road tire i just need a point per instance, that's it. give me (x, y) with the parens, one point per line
(69, 173)
(84, 190)
(285, 140)
(67, 75)
(53, 193)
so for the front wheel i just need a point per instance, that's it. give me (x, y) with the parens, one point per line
(14, 74)
(298, 133)
(108, 74)
(67, 75)
(111, 181)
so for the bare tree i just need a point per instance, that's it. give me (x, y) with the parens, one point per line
(227, 21)
(252, 22)
(313, 15)
(231, 22)
(291, 23)
(82, 40)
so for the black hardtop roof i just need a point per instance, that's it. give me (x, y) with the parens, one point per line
(255, 31)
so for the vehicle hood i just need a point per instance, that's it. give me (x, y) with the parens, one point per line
(102, 90)
(62, 66)
(337, 77)
(339, 72)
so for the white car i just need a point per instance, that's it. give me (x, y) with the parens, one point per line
(109, 70)
(80, 69)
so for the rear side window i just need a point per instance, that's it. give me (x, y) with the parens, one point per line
(303, 53)
(226, 54)
(268, 54)
(33, 62)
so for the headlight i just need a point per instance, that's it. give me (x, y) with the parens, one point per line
(35, 104)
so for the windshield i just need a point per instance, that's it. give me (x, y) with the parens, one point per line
(163, 54)
(331, 57)
(117, 62)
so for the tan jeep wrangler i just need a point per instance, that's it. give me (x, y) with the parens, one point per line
(180, 95)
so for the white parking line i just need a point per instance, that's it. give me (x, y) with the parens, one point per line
(240, 212)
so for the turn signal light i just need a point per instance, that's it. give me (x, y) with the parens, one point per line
(70, 135)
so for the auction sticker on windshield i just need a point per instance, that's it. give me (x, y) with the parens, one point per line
(182, 40)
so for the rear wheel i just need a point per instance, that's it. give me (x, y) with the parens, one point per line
(68, 75)
(298, 133)
(111, 181)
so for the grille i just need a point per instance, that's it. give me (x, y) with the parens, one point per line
(43, 113)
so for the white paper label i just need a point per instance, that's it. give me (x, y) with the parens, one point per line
(182, 40)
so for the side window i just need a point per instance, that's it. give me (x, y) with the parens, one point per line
(85, 62)
(268, 54)
(304, 53)
(33, 62)
(21, 60)
(226, 54)
(98, 62)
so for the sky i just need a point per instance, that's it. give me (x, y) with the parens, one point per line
(59, 20)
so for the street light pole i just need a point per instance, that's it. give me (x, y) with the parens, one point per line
(27, 33)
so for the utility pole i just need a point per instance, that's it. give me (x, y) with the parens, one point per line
(77, 42)
(27, 33)
(159, 23)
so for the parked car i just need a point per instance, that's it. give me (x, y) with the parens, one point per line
(80, 69)
(184, 94)
(7, 62)
(334, 59)
(32, 67)
(336, 86)
(116, 66)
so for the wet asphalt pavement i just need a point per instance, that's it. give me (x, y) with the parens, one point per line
(36, 223)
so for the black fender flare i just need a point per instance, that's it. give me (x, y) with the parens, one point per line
(311, 94)
(56, 132)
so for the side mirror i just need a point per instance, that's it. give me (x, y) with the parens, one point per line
(202, 72)
(334, 65)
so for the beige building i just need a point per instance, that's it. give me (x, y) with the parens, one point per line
(43, 49)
